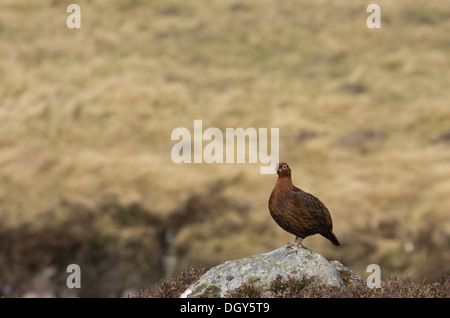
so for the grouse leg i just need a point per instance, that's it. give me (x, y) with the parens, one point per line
(293, 247)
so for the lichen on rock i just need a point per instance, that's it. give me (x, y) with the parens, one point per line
(262, 269)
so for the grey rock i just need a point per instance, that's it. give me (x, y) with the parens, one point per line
(347, 275)
(262, 269)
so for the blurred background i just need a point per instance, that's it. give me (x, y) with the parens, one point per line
(86, 117)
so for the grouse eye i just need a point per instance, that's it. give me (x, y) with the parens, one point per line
(284, 166)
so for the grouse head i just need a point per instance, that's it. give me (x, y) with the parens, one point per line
(283, 170)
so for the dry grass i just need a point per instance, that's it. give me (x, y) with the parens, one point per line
(86, 117)
(174, 286)
(393, 287)
(292, 287)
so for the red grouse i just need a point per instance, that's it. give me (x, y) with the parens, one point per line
(299, 212)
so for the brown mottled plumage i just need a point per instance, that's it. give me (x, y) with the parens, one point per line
(299, 212)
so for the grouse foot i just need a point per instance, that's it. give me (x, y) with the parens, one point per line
(294, 247)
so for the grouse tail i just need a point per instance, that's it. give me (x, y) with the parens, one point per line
(330, 235)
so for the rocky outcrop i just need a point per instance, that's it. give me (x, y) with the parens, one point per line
(262, 269)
